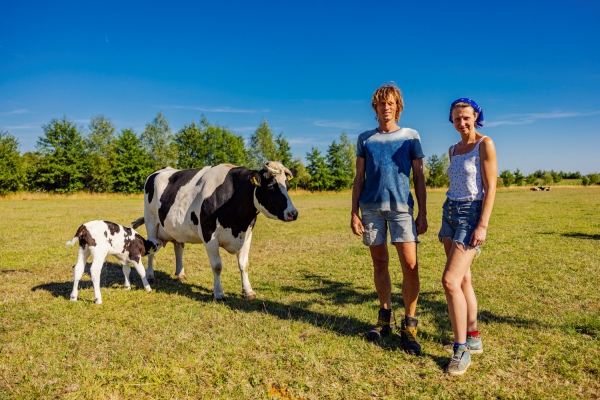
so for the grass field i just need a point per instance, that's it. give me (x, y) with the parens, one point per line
(537, 282)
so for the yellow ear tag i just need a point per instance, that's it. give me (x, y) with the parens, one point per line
(254, 180)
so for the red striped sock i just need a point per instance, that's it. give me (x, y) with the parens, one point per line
(473, 334)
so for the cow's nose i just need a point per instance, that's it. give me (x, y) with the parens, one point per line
(291, 215)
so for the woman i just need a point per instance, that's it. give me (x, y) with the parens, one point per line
(470, 198)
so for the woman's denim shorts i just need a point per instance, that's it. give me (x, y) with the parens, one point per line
(459, 220)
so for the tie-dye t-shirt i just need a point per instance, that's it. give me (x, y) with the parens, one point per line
(388, 160)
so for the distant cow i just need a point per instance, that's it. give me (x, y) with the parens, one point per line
(216, 206)
(101, 238)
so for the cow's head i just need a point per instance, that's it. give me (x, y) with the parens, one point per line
(271, 193)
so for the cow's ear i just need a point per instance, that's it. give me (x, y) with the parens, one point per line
(294, 172)
(255, 178)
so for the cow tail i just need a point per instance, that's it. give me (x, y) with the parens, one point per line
(137, 222)
(72, 242)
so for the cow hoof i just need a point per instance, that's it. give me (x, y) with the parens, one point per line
(250, 296)
(148, 288)
(98, 301)
(150, 279)
(127, 287)
(182, 278)
(73, 298)
(221, 299)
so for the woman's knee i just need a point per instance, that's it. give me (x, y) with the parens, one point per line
(451, 284)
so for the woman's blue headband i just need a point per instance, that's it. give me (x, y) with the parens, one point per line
(480, 120)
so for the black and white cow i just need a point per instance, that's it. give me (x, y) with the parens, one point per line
(101, 238)
(216, 206)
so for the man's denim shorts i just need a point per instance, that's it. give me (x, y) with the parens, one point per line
(459, 220)
(402, 227)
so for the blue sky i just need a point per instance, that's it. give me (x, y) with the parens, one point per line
(309, 68)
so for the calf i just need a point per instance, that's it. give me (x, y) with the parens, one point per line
(101, 238)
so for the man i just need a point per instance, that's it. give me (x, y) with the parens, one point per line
(381, 191)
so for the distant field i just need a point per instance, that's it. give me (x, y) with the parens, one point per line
(537, 282)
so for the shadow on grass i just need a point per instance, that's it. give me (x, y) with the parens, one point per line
(111, 275)
(575, 235)
(431, 303)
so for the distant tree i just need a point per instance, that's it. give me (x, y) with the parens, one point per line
(302, 178)
(349, 152)
(519, 178)
(556, 177)
(131, 164)
(531, 179)
(547, 178)
(157, 140)
(63, 164)
(284, 151)
(436, 171)
(594, 178)
(206, 144)
(12, 172)
(320, 179)
(100, 144)
(507, 178)
(262, 147)
(585, 180)
(539, 174)
(337, 167)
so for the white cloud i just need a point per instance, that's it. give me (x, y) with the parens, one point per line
(16, 127)
(215, 109)
(15, 112)
(337, 124)
(521, 119)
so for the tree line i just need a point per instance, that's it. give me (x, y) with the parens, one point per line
(436, 167)
(69, 159)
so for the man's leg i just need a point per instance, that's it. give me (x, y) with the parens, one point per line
(383, 285)
(407, 252)
(381, 275)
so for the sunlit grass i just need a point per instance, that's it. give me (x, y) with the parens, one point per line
(302, 337)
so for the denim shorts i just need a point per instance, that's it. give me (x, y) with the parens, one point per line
(402, 227)
(459, 220)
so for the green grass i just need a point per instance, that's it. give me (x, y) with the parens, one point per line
(537, 283)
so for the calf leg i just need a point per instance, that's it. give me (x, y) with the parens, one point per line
(126, 272)
(95, 271)
(140, 270)
(179, 271)
(82, 257)
(242, 257)
(212, 249)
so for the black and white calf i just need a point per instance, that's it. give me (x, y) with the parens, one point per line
(216, 206)
(101, 238)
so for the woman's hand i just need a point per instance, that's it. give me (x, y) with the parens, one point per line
(478, 236)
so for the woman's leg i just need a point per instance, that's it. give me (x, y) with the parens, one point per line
(458, 266)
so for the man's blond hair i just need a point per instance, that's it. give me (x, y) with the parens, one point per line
(384, 93)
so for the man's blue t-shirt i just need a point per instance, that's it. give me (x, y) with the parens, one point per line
(388, 160)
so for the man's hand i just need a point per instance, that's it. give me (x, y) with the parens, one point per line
(421, 222)
(356, 225)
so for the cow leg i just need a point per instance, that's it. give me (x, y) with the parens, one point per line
(95, 271)
(179, 271)
(82, 257)
(126, 272)
(150, 270)
(139, 267)
(212, 249)
(242, 257)
(152, 232)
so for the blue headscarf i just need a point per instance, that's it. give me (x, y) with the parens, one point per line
(480, 120)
